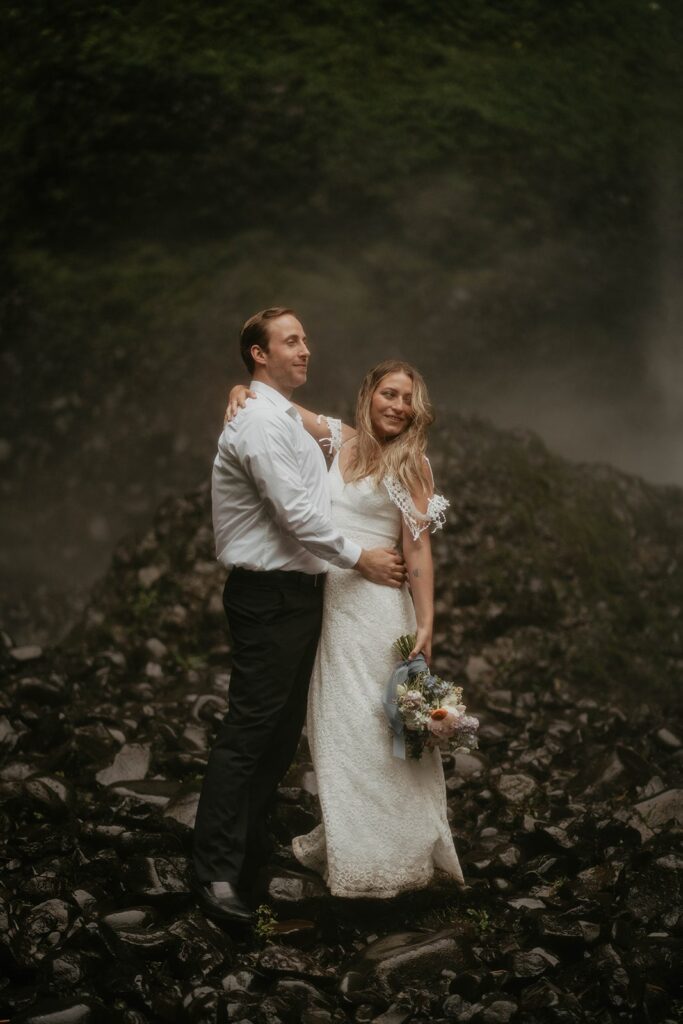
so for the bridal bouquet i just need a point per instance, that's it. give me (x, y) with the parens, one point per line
(425, 710)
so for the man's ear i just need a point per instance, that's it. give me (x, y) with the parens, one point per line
(258, 355)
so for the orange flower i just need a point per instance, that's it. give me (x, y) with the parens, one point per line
(439, 713)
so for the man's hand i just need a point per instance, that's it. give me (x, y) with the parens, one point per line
(237, 399)
(382, 565)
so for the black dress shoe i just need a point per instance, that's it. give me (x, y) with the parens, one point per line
(221, 902)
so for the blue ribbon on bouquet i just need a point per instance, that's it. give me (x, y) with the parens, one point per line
(403, 671)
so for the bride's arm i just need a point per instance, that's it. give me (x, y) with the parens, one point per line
(316, 424)
(418, 559)
(237, 399)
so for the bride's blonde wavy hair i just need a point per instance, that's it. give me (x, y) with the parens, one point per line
(402, 457)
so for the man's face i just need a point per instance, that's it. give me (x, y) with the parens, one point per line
(286, 360)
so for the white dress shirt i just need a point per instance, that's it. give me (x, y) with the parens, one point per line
(271, 507)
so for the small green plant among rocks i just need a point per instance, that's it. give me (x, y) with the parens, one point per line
(189, 662)
(265, 922)
(143, 603)
(480, 919)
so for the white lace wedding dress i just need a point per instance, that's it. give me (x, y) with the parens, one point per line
(384, 828)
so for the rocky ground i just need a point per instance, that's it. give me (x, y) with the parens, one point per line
(560, 591)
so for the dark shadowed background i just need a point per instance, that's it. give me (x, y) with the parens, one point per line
(491, 190)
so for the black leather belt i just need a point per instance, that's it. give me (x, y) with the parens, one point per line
(292, 579)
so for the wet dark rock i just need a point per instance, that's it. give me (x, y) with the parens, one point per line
(92, 743)
(42, 929)
(568, 934)
(652, 890)
(201, 1003)
(295, 932)
(527, 903)
(195, 738)
(393, 962)
(130, 917)
(540, 995)
(277, 959)
(293, 892)
(659, 810)
(316, 1015)
(182, 808)
(469, 765)
(455, 1008)
(138, 941)
(50, 691)
(301, 995)
(668, 740)
(149, 793)
(67, 1011)
(532, 963)
(51, 794)
(131, 762)
(42, 886)
(65, 970)
(516, 788)
(8, 735)
(29, 652)
(203, 949)
(396, 1014)
(240, 981)
(500, 1011)
(158, 879)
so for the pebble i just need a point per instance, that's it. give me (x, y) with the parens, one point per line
(150, 575)
(393, 962)
(668, 740)
(30, 652)
(659, 810)
(516, 788)
(131, 762)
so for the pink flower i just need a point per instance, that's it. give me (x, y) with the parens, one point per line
(445, 724)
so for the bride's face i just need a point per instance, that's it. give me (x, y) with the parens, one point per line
(391, 406)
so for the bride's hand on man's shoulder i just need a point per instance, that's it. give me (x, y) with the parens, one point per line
(237, 399)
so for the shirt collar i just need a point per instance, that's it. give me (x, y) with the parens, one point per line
(275, 397)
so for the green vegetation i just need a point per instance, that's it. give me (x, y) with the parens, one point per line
(265, 922)
(143, 604)
(143, 152)
(480, 920)
(206, 117)
(189, 662)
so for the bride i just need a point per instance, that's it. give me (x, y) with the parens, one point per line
(384, 828)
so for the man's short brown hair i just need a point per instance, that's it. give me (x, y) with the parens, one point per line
(255, 332)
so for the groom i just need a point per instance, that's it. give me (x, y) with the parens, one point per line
(271, 517)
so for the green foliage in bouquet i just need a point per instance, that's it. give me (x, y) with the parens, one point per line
(431, 709)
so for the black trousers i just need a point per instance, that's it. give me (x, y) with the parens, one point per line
(275, 621)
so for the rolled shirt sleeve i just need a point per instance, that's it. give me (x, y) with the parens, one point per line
(270, 460)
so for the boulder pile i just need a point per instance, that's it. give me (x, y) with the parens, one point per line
(559, 610)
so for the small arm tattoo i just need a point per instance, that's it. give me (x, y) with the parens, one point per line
(416, 572)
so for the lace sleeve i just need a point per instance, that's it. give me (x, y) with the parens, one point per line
(334, 441)
(416, 521)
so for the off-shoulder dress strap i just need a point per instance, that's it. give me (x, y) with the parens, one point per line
(435, 516)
